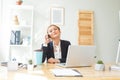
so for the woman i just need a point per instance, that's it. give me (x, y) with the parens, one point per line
(54, 49)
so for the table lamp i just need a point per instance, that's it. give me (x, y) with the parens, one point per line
(117, 63)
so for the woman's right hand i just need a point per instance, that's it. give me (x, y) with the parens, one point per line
(47, 39)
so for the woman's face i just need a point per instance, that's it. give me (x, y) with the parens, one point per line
(54, 32)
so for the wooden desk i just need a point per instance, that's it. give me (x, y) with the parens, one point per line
(88, 73)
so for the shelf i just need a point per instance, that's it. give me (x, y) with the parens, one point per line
(20, 20)
(19, 27)
(20, 45)
(28, 7)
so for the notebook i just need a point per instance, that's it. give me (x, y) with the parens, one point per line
(66, 72)
(79, 56)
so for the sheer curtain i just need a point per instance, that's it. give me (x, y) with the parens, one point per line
(4, 35)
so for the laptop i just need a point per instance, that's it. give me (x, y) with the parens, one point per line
(79, 56)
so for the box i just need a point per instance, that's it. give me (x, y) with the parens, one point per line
(12, 65)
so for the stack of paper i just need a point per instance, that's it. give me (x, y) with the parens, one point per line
(115, 67)
(66, 72)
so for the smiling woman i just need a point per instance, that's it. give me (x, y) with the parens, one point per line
(55, 49)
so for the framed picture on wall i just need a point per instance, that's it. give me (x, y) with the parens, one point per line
(57, 15)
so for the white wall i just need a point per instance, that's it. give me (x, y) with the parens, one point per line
(106, 22)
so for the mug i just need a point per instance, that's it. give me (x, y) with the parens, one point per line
(38, 54)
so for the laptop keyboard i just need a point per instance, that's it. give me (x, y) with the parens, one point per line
(61, 64)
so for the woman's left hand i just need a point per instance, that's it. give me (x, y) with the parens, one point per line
(53, 61)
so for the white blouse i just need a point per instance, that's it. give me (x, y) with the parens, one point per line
(57, 51)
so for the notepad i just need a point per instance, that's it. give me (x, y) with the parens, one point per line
(66, 72)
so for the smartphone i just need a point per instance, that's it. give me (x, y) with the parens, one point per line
(49, 36)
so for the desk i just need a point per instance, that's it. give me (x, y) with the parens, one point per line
(88, 73)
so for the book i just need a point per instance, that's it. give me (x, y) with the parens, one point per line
(12, 38)
(15, 37)
(66, 72)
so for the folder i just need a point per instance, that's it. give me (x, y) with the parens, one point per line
(66, 72)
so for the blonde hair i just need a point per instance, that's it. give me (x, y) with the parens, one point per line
(53, 25)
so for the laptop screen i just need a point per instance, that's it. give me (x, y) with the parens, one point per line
(80, 56)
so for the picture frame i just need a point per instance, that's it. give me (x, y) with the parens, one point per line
(57, 15)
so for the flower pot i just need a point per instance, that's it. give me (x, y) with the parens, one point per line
(100, 67)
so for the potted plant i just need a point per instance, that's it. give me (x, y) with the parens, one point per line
(30, 61)
(99, 65)
(30, 65)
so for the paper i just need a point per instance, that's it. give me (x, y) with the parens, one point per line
(115, 67)
(66, 72)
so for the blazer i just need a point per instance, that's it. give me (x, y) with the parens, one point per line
(48, 51)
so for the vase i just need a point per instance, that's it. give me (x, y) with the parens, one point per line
(100, 67)
(19, 2)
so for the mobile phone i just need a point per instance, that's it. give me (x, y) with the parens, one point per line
(49, 36)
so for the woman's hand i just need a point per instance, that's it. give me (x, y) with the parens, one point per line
(47, 39)
(53, 61)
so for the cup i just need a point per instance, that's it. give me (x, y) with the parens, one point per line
(38, 54)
